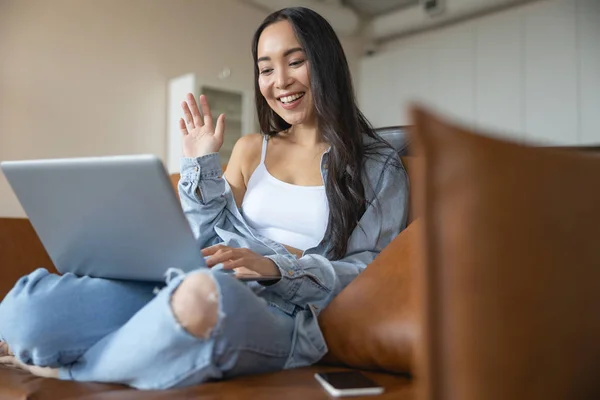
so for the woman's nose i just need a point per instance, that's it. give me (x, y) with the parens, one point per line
(283, 79)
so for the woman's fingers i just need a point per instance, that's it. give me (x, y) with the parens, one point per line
(236, 263)
(209, 251)
(221, 257)
(187, 115)
(182, 127)
(220, 127)
(234, 258)
(193, 106)
(206, 111)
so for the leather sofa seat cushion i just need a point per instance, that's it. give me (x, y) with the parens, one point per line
(293, 384)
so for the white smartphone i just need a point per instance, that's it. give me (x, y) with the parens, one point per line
(347, 383)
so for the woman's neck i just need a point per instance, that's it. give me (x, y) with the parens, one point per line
(305, 135)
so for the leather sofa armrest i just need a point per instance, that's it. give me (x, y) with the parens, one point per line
(21, 252)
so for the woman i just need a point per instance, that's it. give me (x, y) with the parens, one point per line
(309, 202)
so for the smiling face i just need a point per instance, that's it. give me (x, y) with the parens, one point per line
(284, 79)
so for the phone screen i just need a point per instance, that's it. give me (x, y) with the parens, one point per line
(348, 380)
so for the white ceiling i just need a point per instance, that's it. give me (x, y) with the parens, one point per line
(374, 8)
(380, 20)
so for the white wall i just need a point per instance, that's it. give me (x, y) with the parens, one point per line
(89, 77)
(530, 73)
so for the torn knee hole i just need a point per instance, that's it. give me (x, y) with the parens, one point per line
(207, 323)
(195, 305)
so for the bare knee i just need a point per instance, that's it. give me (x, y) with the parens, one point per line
(195, 304)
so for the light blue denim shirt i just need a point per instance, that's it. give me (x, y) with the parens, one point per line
(310, 282)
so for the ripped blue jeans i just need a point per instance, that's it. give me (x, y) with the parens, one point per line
(103, 330)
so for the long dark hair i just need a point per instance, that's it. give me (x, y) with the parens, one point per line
(339, 120)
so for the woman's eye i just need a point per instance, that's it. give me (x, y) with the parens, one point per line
(296, 63)
(265, 71)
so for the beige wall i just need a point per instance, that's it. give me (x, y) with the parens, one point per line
(89, 77)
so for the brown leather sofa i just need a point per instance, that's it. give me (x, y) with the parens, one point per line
(491, 293)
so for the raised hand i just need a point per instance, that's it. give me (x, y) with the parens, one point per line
(200, 135)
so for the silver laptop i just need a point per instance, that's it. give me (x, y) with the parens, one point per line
(109, 217)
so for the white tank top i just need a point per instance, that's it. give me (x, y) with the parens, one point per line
(289, 214)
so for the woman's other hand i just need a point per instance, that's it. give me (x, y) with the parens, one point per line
(242, 260)
(200, 135)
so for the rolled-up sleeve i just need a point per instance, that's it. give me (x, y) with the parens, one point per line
(202, 192)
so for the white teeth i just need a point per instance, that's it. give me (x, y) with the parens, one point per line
(289, 99)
